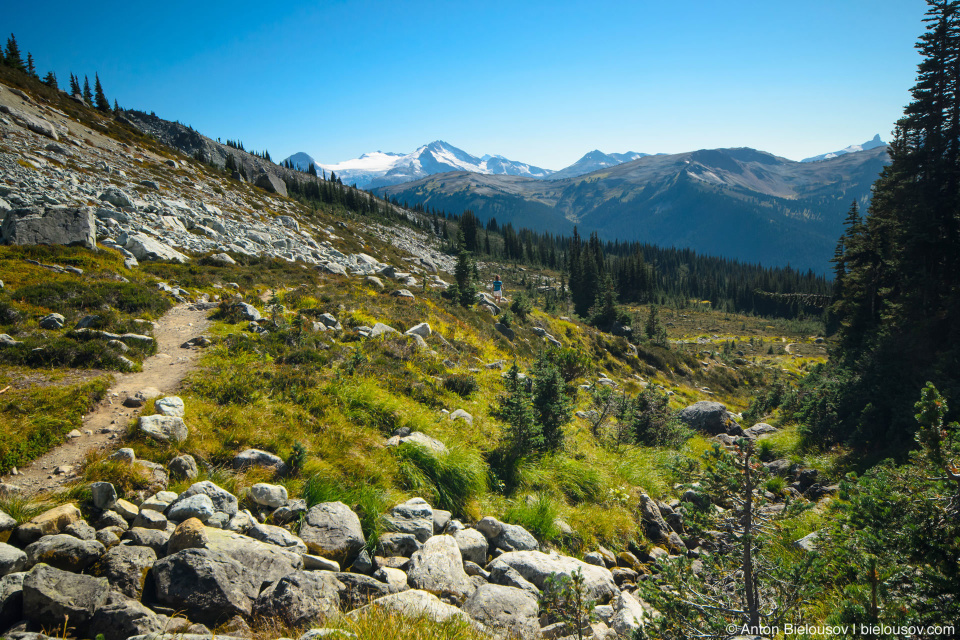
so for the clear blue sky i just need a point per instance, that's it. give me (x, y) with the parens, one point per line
(540, 82)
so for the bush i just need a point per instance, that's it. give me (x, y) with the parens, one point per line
(521, 306)
(448, 481)
(130, 297)
(462, 384)
(571, 362)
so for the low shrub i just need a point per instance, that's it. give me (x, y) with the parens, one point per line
(448, 481)
(462, 384)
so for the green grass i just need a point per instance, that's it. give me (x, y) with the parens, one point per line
(37, 419)
(445, 480)
(537, 514)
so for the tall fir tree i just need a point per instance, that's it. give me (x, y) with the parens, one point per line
(87, 94)
(31, 67)
(898, 300)
(51, 80)
(12, 57)
(100, 98)
(74, 85)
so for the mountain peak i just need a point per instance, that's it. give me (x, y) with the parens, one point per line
(873, 143)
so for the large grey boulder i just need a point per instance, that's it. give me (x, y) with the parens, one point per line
(170, 406)
(264, 562)
(12, 559)
(50, 225)
(656, 527)
(268, 495)
(271, 183)
(413, 516)
(29, 121)
(438, 568)
(126, 568)
(629, 614)
(7, 524)
(53, 598)
(104, 495)
(199, 506)
(153, 538)
(710, 417)
(63, 551)
(397, 545)
(301, 598)
(183, 467)
(223, 500)
(121, 618)
(143, 247)
(11, 598)
(419, 438)
(506, 536)
(116, 197)
(247, 312)
(208, 586)
(473, 546)
(537, 567)
(331, 530)
(507, 611)
(164, 428)
(53, 322)
(380, 329)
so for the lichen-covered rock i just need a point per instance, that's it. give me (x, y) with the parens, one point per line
(473, 545)
(63, 551)
(332, 530)
(126, 568)
(507, 611)
(223, 500)
(53, 598)
(414, 516)
(11, 598)
(438, 568)
(536, 567)
(710, 417)
(164, 428)
(12, 560)
(50, 225)
(301, 598)
(209, 587)
(121, 618)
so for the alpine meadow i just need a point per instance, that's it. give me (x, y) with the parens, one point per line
(429, 394)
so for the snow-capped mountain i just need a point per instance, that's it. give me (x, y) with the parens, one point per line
(870, 144)
(379, 169)
(301, 161)
(594, 161)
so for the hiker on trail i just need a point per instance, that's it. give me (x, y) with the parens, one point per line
(497, 288)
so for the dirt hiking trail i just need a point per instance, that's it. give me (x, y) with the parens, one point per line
(103, 427)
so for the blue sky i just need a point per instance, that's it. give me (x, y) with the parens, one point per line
(540, 82)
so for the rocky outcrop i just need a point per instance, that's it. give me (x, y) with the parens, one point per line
(50, 225)
(536, 567)
(304, 597)
(711, 418)
(332, 530)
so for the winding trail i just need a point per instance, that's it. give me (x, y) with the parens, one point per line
(103, 427)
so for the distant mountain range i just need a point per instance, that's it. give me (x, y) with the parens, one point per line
(866, 146)
(739, 203)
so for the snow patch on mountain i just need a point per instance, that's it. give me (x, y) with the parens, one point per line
(870, 144)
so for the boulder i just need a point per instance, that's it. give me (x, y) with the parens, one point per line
(164, 428)
(29, 121)
(536, 567)
(398, 544)
(509, 577)
(104, 495)
(316, 563)
(143, 247)
(153, 538)
(50, 225)
(505, 536)
(423, 330)
(438, 568)
(223, 501)
(7, 525)
(277, 536)
(183, 467)
(12, 560)
(358, 589)
(126, 509)
(150, 519)
(247, 312)
(268, 495)
(414, 516)
(49, 522)
(460, 414)
(441, 518)
(256, 458)
(116, 197)
(473, 546)
(121, 618)
(507, 611)
(395, 579)
(126, 567)
(209, 587)
(199, 506)
(189, 534)
(54, 598)
(415, 604)
(301, 598)
(331, 530)
(171, 406)
(656, 527)
(711, 418)
(63, 551)
(269, 182)
(421, 439)
(380, 329)
(629, 615)
(53, 322)
(11, 599)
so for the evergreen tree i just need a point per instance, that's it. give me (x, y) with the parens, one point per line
(116, 107)
(12, 57)
(87, 94)
(552, 406)
(312, 170)
(74, 85)
(465, 273)
(31, 68)
(50, 80)
(100, 98)
(898, 304)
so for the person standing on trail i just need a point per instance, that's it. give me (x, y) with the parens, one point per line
(497, 288)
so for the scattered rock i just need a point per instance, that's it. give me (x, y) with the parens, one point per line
(301, 598)
(332, 530)
(438, 568)
(164, 428)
